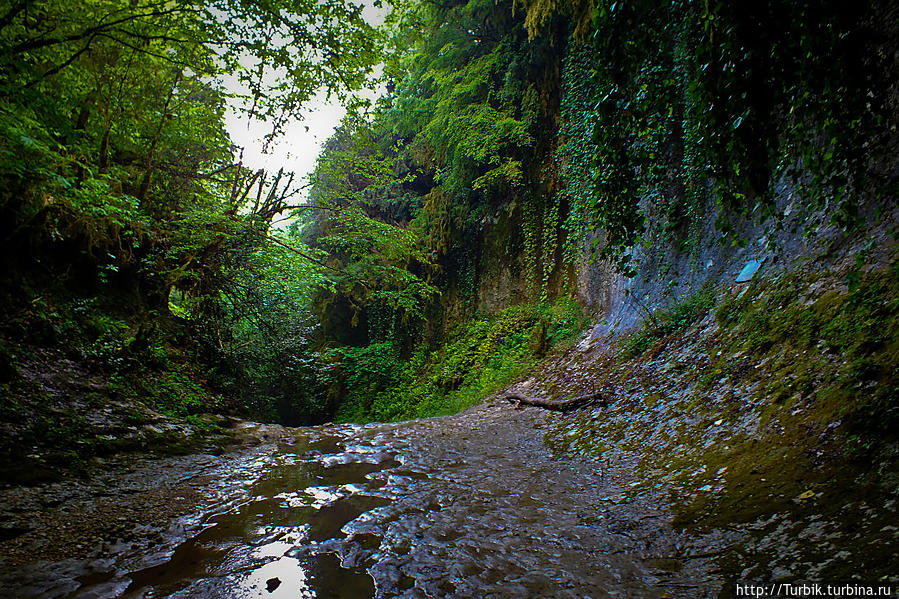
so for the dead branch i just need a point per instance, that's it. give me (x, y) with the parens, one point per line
(559, 406)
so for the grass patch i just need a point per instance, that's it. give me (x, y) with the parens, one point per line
(671, 321)
(479, 357)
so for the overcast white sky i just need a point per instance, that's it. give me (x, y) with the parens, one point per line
(297, 149)
(299, 146)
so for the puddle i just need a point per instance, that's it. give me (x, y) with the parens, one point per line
(472, 505)
(270, 544)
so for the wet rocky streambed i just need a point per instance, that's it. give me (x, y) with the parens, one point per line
(471, 505)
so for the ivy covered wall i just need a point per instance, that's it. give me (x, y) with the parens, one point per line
(728, 132)
(624, 160)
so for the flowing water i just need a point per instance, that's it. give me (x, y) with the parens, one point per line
(473, 505)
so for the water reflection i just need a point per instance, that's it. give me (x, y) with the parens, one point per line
(278, 540)
(281, 579)
(468, 506)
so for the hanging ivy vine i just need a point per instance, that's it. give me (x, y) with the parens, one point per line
(698, 102)
(575, 154)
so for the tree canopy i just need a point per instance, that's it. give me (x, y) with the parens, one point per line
(513, 142)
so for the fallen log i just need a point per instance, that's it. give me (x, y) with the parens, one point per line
(559, 406)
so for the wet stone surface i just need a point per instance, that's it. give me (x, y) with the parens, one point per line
(472, 505)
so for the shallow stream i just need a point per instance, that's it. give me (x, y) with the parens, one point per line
(473, 505)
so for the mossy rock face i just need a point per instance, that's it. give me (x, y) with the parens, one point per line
(538, 343)
(782, 425)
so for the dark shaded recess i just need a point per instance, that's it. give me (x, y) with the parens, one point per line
(336, 312)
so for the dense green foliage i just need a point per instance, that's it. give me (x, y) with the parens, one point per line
(117, 177)
(472, 104)
(478, 357)
(445, 223)
(702, 105)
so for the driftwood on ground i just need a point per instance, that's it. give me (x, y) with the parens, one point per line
(560, 406)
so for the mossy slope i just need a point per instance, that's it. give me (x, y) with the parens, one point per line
(766, 414)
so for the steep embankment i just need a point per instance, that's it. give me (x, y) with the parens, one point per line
(766, 411)
(82, 381)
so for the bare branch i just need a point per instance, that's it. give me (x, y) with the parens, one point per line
(101, 27)
(62, 65)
